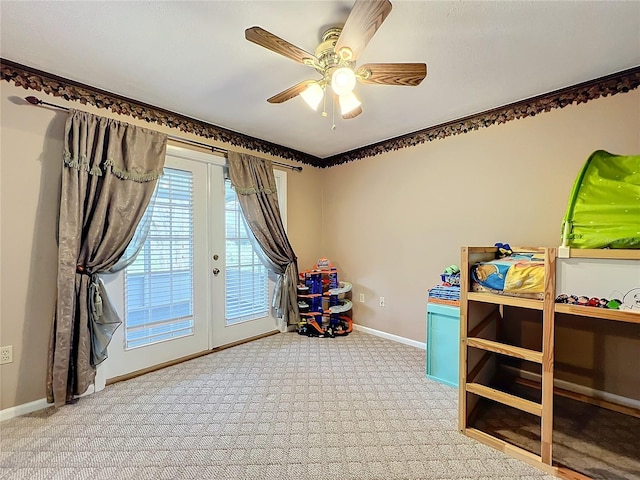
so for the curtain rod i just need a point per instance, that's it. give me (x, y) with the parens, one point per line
(36, 101)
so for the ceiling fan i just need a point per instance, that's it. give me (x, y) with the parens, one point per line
(335, 59)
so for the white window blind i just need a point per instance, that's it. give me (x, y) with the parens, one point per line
(246, 279)
(159, 283)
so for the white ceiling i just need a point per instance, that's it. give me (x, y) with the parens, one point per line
(192, 58)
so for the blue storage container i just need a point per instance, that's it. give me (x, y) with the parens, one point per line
(443, 343)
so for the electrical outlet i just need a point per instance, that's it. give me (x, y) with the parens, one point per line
(382, 301)
(362, 298)
(6, 354)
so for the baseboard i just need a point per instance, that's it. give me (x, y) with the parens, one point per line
(23, 409)
(391, 336)
(580, 389)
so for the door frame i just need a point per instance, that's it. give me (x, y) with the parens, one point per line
(215, 193)
(124, 362)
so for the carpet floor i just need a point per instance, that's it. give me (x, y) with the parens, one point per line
(282, 407)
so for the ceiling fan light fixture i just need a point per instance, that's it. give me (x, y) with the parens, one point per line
(348, 103)
(343, 81)
(346, 54)
(312, 95)
(335, 60)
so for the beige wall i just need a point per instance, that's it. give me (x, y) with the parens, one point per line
(30, 167)
(393, 222)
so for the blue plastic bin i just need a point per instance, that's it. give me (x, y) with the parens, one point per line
(443, 343)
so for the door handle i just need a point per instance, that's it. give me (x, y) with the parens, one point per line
(216, 271)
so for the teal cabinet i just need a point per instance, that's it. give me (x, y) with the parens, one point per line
(443, 343)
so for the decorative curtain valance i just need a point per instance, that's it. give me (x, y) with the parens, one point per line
(254, 182)
(97, 144)
(111, 173)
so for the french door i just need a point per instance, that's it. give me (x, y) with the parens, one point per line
(196, 283)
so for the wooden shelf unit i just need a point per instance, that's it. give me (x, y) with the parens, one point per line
(480, 314)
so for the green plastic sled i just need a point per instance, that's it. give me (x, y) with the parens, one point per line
(604, 207)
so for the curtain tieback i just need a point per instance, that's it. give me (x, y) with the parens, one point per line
(83, 270)
(95, 299)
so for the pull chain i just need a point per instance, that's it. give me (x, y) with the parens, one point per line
(324, 102)
(333, 115)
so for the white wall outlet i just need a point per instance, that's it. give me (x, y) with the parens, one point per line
(6, 354)
(382, 304)
(361, 298)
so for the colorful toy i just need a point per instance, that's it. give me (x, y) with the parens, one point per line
(451, 276)
(630, 301)
(614, 304)
(321, 285)
(504, 250)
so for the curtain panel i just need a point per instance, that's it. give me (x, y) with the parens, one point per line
(255, 185)
(110, 173)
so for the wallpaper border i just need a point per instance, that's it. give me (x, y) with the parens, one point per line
(32, 79)
(613, 84)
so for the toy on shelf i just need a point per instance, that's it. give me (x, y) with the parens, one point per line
(504, 250)
(447, 292)
(320, 288)
(451, 276)
(630, 301)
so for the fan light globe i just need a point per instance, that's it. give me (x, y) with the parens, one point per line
(312, 95)
(348, 103)
(343, 81)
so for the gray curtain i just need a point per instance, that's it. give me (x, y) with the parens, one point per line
(139, 238)
(255, 185)
(110, 172)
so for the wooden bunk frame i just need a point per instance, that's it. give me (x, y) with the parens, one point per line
(479, 315)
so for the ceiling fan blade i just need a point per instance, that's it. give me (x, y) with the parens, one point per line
(409, 74)
(352, 113)
(363, 22)
(268, 40)
(290, 92)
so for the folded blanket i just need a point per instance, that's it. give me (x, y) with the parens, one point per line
(518, 273)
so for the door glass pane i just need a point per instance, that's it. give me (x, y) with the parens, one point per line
(246, 279)
(159, 283)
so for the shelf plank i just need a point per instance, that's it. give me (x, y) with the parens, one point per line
(513, 249)
(504, 349)
(505, 300)
(508, 448)
(505, 398)
(595, 312)
(605, 253)
(581, 397)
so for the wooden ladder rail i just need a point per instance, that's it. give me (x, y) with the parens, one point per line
(548, 329)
